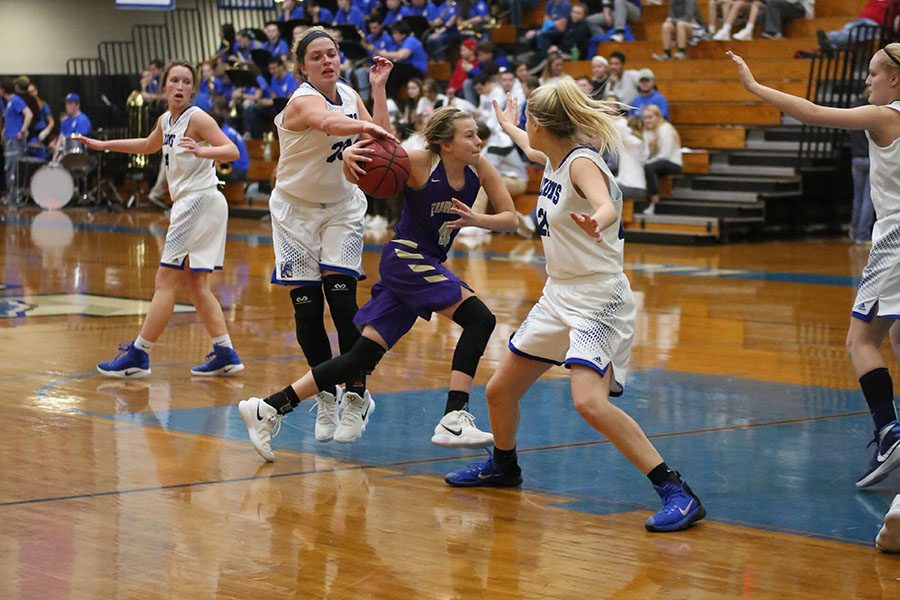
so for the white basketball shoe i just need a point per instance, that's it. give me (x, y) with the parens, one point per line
(457, 430)
(354, 417)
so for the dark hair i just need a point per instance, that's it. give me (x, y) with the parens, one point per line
(227, 30)
(618, 55)
(7, 86)
(484, 132)
(484, 47)
(533, 81)
(489, 68)
(276, 60)
(401, 27)
(158, 63)
(481, 78)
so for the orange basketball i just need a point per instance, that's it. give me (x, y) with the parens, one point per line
(388, 170)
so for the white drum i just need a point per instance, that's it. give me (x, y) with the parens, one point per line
(52, 186)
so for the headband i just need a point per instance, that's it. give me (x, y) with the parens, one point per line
(306, 41)
(892, 57)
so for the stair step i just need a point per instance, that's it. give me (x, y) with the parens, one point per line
(713, 196)
(773, 145)
(669, 238)
(781, 133)
(767, 158)
(751, 170)
(718, 210)
(745, 184)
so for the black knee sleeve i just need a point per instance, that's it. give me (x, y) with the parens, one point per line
(340, 291)
(362, 358)
(309, 311)
(478, 323)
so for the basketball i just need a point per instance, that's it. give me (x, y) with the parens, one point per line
(388, 171)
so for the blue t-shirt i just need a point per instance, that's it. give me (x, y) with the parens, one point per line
(279, 48)
(365, 6)
(283, 88)
(641, 102)
(417, 57)
(296, 13)
(445, 12)
(354, 16)
(15, 117)
(425, 211)
(392, 16)
(325, 15)
(243, 161)
(41, 123)
(261, 84)
(78, 124)
(381, 43)
(558, 11)
(423, 11)
(479, 9)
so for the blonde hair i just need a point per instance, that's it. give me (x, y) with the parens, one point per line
(441, 127)
(569, 114)
(306, 38)
(892, 51)
(654, 143)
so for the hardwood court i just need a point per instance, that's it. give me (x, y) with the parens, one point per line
(150, 489)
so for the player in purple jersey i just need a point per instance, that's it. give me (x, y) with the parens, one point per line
(438, 197)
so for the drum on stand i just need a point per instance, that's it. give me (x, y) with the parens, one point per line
(52, 186)
(72, 153)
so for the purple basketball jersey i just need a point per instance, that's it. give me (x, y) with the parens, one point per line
(426, 210)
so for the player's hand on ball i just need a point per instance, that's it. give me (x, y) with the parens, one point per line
(378, 132)
(356, 154)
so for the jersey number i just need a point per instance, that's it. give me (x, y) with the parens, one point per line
(444, 234)
(542, 227)
(166, 156)
(338, 148)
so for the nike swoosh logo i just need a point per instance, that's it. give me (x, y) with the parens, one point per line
(883, 457)
(456, 433)
(482, 476)
(258, 416)
(366, 414)
(435, 181)
(130, 372)
(228, 369)
(684, 511)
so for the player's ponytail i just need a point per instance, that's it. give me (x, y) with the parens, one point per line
(569, 114)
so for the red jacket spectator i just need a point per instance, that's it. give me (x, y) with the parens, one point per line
(466, 63)
(875, 10)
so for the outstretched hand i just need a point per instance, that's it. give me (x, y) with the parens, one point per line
(588, 223)
(90, 142)
(744, 71)
(466, 216)
(379, 71)
(510, 114)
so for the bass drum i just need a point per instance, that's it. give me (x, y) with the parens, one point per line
(52, 186)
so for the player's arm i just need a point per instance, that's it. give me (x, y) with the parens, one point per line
(591, 184)
(148, 145)
(378, 76)
(861, 117)
(310, 112)
(204, 128)
(507, 118)
(504, 217)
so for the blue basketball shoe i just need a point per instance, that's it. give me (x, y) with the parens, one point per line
(222, 361)
(131, 363)
(486, 473)
(680, 508)
(885, 458)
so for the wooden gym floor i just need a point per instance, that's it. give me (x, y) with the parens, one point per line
(150, 489)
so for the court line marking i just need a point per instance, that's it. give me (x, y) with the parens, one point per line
(531, 256)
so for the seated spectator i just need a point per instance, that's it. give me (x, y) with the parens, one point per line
(259, 115)
(150, 86)
(410, 105)
(409, 58)
(485, 54)
(75, 121)
(274, 44)
(443, 30)
(621, 83)
(717, 8)
(290, 11)
(347, 14)
(246, 43)
(478, 17)
(377, 42)
(871, 15)
(555, 10)
(431, 98)
(752, 8)
(584, 84)
(647, 95)
(392, 12)
(571, 35)
(464, 65)
(680, 24)
(318, 14)
(554, 69)
(206, 88)
(531, 83)
(245, 98)
(660, 152)
(599, 75)
(239, 167)
(615, 14)
(780, 12)
(368, 8)
(226, 42)
(419, 8)
(511, 86)
(630, 170)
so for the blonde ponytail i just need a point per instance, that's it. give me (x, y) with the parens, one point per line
(568, 113)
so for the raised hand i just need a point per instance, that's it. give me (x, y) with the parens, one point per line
(379, 71)
(510, 115)
(747, 78)
(587, 223)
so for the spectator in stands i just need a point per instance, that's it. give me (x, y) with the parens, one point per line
(660, 152)
(464, 65)
(239, 167)
(247, 98)
(584, 84)
(570, 35)
(348, 14)
(274, 44)
(393, 12)
(621, 83)
(410, 105)
(227, 42)
(531, 83)
(206, 88)
(780, 12)
(477, 18)
(44, 124)
(431, 98)
(150, 88)
(17, 120)
(717, 8)
(290, 11)
(484, 54)
(409, 58)
(443, 30)
(510, 85)
(679, 24)
(75, 120)
(555, 10)
(647, 95)
(317, 14)
(615, 14)
(629, 168)
(377, 42)
(752, 8)
(554, 69)
(246, 43)
(599, 75)
(419, 8)
(871, 15)
(368, 8)
(282, 85)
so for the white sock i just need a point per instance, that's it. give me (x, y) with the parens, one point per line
(223, 340)
(142, 344)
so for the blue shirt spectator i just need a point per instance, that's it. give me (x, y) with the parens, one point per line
(290, 11)
(79, 124)
(445, 12)
(479, 9)
(354, 16)
(417, 57)
(279, 48)
(282, 86)
(15, 117)
(647, 95)
(557, 9)
(424, 9)
(382, 41)
(365, 6)
(243, 161)
(393, 12)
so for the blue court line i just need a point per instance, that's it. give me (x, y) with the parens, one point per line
(537, 258)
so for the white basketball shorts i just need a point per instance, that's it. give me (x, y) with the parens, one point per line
(198, 225)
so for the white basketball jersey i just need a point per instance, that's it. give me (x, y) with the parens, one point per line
(311, 167)
(185, 173)
(569, 250)
(884, 174)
